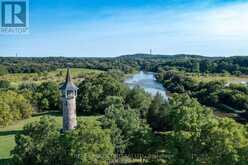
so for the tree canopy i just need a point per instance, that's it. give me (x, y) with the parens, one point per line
(41, 143)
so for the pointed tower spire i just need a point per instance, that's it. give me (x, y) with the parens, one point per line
(68, 75)
(68, 85)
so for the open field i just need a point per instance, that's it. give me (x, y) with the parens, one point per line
(55, 76)
(7, 134)
(219, 77)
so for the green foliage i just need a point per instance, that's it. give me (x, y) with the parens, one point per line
(130, 64)
(139, 100)
(198, 137)
(38, 143)
(3, 70)
(129, 132)
(7, 134)
(216, 94)
(13, 106)
(116, 74)
(28, 87)
(47, 96)
(157, 113)
(94, 91)
(41, 143)
(4, 84)
(115, 101)
(5, 116)
(88, 144)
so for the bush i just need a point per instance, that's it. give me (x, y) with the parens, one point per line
(4, 84)
(3, 70)
(13, 106)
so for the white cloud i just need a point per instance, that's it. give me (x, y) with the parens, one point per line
(208, 31)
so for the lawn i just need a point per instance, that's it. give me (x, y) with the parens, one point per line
(7, 134)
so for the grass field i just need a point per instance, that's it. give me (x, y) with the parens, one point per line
(7, 134)
(55, 76)
(219, 77)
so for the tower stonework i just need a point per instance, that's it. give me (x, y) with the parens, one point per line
(68, 97)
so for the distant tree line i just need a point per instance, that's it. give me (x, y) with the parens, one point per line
(129, 63)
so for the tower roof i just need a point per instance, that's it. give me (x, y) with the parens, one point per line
(68, 85)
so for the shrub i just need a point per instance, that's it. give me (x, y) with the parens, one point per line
(4, 84)
(13, 107)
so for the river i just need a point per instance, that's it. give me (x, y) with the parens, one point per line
(147, 81)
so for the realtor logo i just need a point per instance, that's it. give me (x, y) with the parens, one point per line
(14, 16)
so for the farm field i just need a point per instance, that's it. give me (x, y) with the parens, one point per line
(7, 134)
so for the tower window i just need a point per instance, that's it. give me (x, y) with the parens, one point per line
(70, 93)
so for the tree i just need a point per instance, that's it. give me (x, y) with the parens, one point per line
(41, 143)
(38, 143)
(3, 70)
(47, 95)
(157, 112)
(196, 67)
(88, 144)
(5, 115)
(198, 137)
(13, 107)
(139, 100)
(129, 133)
(115, 101)
(94, 91)
(4, 84)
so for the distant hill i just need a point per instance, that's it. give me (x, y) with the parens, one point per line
(160, 56)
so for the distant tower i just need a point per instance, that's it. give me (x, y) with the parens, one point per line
(69, 94)
(150, 51)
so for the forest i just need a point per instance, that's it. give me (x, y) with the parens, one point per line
(236, 65)
(203, 122)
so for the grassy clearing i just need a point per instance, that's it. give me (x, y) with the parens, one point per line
(55, 76)
(218, 77)
(7, 134)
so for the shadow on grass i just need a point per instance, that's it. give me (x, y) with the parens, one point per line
(59, 113)
(131, 164)
(6, 133)
(51, 113)
(6, 162)
(242, 117)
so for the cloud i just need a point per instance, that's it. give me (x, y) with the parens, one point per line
(218, 30)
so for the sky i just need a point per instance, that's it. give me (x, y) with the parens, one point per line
(109, 28)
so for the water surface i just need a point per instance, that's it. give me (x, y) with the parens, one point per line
(147, 81)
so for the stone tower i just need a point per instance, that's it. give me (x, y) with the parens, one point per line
(68, 97)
